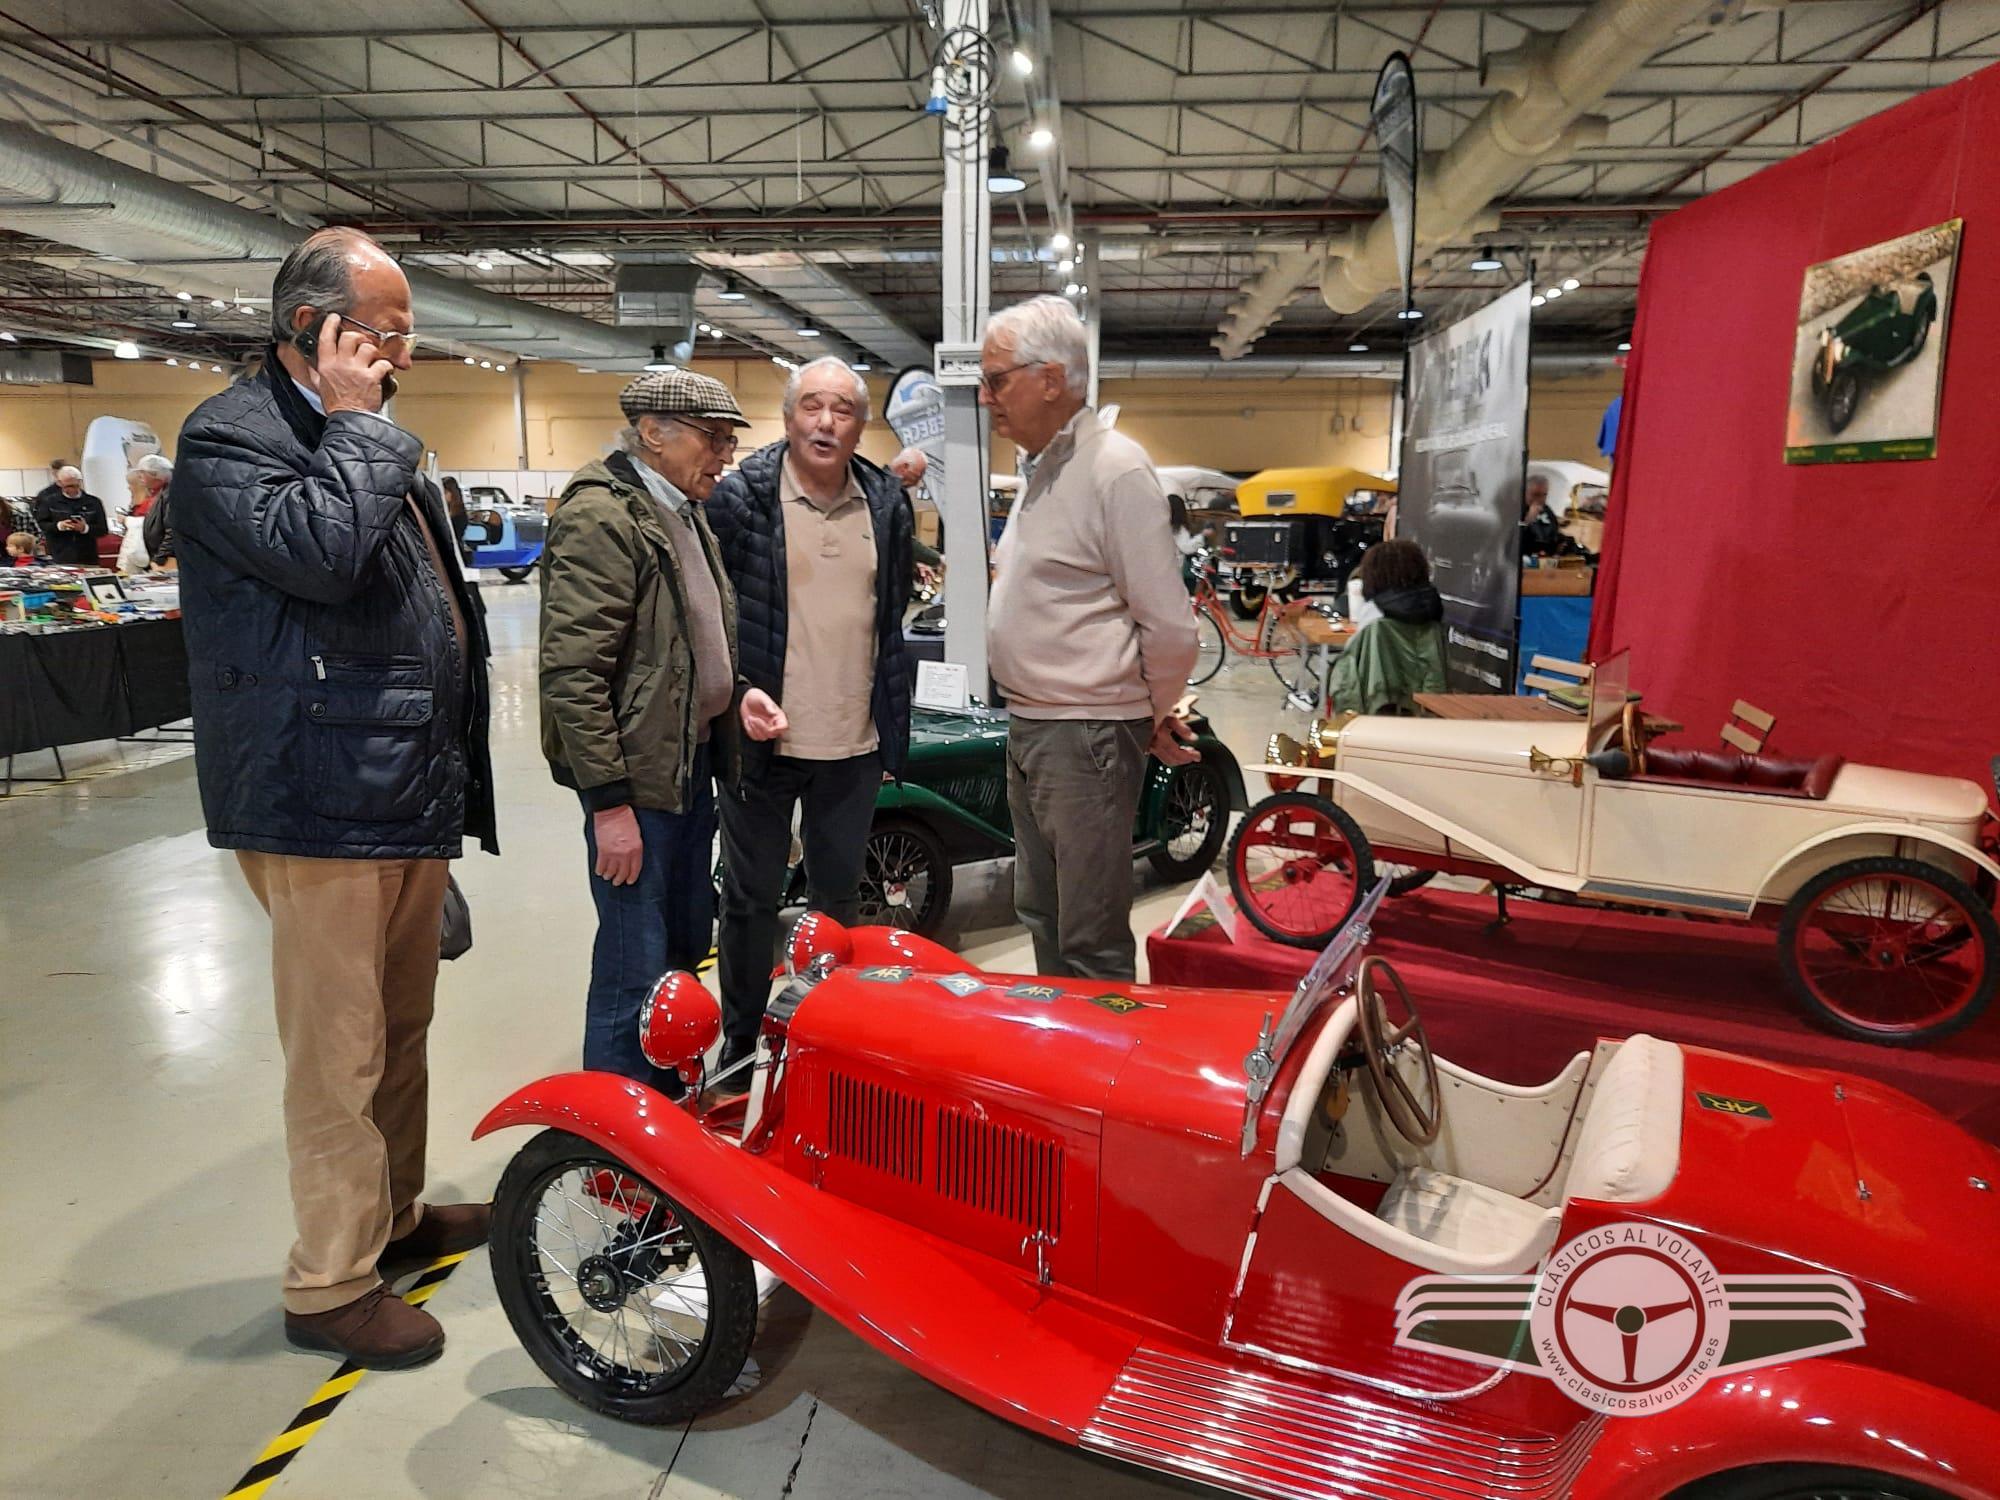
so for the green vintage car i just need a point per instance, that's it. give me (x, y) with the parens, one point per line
(951, 809)
(1887, 328)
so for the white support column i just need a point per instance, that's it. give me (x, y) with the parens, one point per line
(967, 267)
(1091, 305)
(520, 414)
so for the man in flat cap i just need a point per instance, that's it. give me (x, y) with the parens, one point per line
(640, 695)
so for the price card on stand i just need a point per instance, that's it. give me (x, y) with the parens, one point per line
(942, 684)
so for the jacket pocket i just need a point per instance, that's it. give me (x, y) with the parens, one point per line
(367, 729)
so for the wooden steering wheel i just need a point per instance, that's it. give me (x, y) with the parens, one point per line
(1635, 737)
(1417, 1121)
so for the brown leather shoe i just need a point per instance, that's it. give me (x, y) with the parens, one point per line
(444, 1229)
(377, 1331)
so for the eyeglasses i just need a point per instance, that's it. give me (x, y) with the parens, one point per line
(381, 338)
(991, 381)
(721, 440)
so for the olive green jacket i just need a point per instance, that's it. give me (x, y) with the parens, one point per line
(1386, 665)
(616, 660)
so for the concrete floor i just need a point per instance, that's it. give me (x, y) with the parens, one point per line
(141, 1352)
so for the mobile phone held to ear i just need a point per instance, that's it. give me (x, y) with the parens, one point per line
(306, 341)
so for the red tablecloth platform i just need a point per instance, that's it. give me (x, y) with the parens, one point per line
(1517, 1001)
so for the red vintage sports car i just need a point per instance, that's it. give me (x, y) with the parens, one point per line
(1222, 1235)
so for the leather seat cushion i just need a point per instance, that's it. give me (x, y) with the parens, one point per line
(1629, 1146)
(1732, 770)
(1464, 1218)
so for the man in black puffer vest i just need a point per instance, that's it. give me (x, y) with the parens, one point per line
(816, 543)
(338, 670)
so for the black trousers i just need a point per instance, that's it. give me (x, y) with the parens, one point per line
(839, 802)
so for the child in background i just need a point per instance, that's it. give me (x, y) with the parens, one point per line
(21, 549)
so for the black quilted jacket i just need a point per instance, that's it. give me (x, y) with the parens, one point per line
(334, 712)
(749, 523)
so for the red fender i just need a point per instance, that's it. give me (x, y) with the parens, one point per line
(979, 1329)
(1821, 1411)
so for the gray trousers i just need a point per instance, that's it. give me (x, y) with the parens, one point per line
(1073, 790)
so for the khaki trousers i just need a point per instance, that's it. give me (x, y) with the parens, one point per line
(354, 957)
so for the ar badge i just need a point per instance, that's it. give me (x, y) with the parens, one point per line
(1034, 992)
(1118, 1004)
(959, 984)
(886, 974)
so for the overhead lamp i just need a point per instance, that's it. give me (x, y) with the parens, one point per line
(1357, 348)
(486, 364)
(1001, 178)
(8, 338)
(501, 368)
(782, 363)
(248, 312)
(184, 296)
(659, 360)
(715, 333)
(1022, 64)
(217, 369)
(1537, 300)
(470, 360)
(219, 305)
(173, 364)
(583, 257)
(184, 321)
(1041, 138)
(1065, 266)
(861, 364)
(807, 333)
(1625, 347)
(730, 293)
(1071, 290)
(126, 349)
(1486, 261)
(703, 328)
(1570, 283)
(1059, 241)
(1553, 292)
(1410, 314)
(485, 263)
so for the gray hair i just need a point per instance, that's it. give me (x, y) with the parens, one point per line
(1047, 330)
(825, 361)
(66, 470)
(149, 468)
(318, 274)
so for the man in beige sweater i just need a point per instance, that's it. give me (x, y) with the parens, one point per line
(1089, 636)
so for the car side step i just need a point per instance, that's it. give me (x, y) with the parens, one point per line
(1260, 1435)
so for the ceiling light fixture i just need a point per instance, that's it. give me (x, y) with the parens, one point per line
(1066, 265)
(1625, 347)
(1537, 300)
(806, 333)
(184, 296)
(485, 263)
(248, 312)
(501, 368)
(1022, 63)
(219, 305)
(1410, 314)
(470, 360)
(1041, 138)
(862, 365)
(1553, 292)
(8, 338)
(217, 369)
(173, 364)
(1357, 348)
(659, 360)
(184, 321)
(1002, 179)
(1059, 241)
(1570, 283)
(486, 364)
(1486, 260)
(730, 293)
(1072, 290)
(126, 349)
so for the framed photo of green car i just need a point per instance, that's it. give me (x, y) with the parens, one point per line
(1868, 361)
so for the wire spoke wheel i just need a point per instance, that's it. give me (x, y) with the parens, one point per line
(624, 1300)
(1194, 820)
(1890, 950)
(1297, 867)
(905, 879)
(1211, 650)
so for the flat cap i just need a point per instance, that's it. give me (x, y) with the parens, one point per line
(680, 393)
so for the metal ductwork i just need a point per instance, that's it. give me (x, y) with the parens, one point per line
(1317, 367)
(1546, 87)
(832, 303)
(149, 229)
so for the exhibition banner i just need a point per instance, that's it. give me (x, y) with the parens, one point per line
(915, 413)
(1868, 352)
(1464, 446)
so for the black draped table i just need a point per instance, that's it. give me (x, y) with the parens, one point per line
(76, 685)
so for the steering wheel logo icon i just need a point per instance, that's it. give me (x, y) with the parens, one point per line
(1630, 1319)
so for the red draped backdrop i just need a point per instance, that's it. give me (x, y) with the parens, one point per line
(1860, 603)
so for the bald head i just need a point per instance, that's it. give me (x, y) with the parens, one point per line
(336, 270)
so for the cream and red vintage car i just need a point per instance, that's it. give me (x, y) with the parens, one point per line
(1880, 882)
(1277, 1246)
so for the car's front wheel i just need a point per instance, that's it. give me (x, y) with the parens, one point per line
(1297, 866)
(905, 878)
(626, 1301)
(1806, 1482)
(1890, 950)
(518, 575)
(1842, 397)
(1194, 820)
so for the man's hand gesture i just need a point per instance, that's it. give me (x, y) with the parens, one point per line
(350, 368)
(762, 718)
(1173, 742)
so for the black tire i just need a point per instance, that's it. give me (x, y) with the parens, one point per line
(1196, 794)
(1245, 602)
(1805, 1482)
(1409, 880)
(645, 1235)
(518, 575)
(1972, 947)
(902, 853)
(1843, 397)
(1211, 650)
(1307, 925)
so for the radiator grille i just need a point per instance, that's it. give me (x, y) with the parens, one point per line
(1001, 1170)
(877, 1126)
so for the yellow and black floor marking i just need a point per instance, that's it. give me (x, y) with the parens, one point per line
(287, 1445)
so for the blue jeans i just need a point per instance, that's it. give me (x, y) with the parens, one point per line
(664, 920)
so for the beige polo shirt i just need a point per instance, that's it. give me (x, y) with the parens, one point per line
(829, 622)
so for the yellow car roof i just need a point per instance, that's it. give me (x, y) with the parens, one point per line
(1321, 492)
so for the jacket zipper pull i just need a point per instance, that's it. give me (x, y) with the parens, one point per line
(319, 668)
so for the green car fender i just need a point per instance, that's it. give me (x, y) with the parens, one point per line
(910, 800)
(1153, 800)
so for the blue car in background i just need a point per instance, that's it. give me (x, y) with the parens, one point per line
(503, 532)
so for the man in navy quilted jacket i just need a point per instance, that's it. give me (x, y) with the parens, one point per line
(338, 671)
(816, 541)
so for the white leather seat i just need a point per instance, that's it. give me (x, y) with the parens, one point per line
(1629, 1146)
(1465, 1220)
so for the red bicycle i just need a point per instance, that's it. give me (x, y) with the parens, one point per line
(1271, 635)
